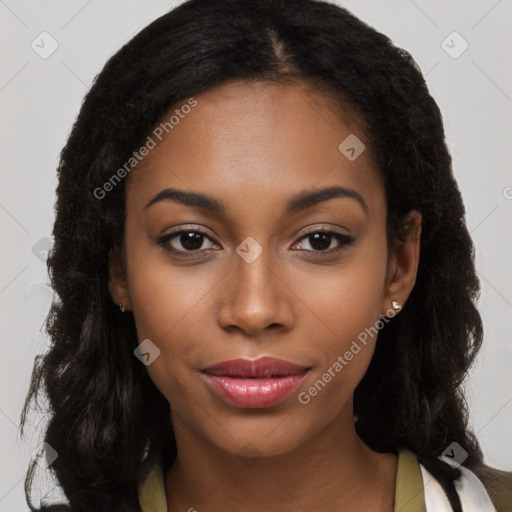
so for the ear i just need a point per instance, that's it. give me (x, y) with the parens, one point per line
(117, 283)
(403, 264)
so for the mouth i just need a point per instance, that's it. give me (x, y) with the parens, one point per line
(256, 383)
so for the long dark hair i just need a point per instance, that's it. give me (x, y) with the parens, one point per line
(107, 419)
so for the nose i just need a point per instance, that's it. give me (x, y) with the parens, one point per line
(256, 297)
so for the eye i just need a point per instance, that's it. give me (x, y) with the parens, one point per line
(321, 242)
(190, 240)
(186, 242)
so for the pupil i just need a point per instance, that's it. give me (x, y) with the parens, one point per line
(321, 241)
(191, 241)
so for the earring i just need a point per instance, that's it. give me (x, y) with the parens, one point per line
(396, 306)
(121, 307)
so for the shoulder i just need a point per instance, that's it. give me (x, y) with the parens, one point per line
(498, 485)
(479, 488)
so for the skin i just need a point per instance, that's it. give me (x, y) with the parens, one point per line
(253, 146)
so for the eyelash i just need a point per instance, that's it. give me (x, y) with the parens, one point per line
(344, 241)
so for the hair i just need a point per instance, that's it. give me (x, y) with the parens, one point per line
(107, 419)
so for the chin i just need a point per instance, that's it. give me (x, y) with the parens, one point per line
(260, 437)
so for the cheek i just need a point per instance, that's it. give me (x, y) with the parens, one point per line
(165, 299)
(347, 307)
(163, 292)
(346, 299)
(171, 308)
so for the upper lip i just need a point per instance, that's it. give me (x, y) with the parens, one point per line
(247, 368)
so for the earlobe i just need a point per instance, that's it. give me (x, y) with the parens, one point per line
(117, 283)
(403, 266)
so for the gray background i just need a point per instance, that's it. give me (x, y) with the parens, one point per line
(39, 99)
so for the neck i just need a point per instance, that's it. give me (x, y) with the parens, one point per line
(332, 469)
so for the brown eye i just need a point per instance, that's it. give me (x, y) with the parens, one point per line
(184, 241)
(321, 241)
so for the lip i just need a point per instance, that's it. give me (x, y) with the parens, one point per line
(256, 383)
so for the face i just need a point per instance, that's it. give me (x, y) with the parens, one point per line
(256, 270)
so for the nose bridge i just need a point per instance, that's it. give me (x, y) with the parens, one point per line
(253, 270)
(250, 250)
(254, 298)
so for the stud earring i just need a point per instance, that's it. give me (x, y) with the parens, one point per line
(121, 307)
(396, 306)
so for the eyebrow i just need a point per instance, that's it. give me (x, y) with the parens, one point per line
(300, 201)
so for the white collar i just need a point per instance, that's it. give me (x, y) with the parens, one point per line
(472, 493)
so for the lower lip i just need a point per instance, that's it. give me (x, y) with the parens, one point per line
(254, 393)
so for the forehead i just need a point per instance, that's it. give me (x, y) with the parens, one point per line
(257, 138)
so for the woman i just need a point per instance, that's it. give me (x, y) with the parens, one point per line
(266, 284)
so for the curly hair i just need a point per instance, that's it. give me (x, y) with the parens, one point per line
(107, 419)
